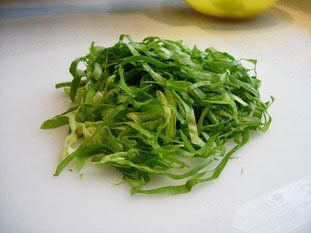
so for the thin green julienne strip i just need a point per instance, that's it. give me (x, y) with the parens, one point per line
(159, 108)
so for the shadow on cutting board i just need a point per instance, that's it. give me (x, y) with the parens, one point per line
(298, 5)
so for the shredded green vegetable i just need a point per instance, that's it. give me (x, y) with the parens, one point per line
(158, 108)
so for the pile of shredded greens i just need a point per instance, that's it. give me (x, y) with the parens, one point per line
(158, 108)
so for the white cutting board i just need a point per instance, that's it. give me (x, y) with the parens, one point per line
(271, 195)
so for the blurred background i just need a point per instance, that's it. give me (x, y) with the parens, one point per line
(21, 8)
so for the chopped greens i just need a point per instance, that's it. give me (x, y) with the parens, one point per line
(158, 108)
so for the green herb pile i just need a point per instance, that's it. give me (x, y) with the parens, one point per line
(158, 108)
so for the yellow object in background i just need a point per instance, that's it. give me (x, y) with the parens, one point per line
(237, 9)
